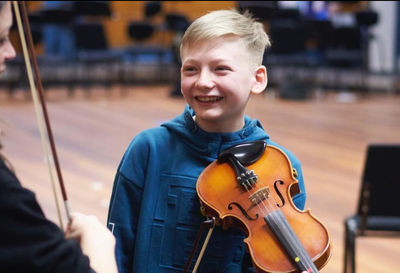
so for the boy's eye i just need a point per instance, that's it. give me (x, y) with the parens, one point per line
(221, 68)
(189, 69)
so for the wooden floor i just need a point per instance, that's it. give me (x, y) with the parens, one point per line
(91, 134)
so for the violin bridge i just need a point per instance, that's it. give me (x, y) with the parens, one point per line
(259, 195)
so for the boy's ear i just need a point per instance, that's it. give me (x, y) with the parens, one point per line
(261, 78)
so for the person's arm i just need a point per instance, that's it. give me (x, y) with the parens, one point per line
(96, 241)
(28, 241)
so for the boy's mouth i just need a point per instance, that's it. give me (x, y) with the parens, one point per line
(208, 98)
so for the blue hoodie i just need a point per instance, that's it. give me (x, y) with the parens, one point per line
(155, 212)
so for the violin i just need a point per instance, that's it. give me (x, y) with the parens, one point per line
(250, 186)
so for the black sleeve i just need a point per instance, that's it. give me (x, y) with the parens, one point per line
(28, 241)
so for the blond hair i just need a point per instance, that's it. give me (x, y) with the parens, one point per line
(229, 22)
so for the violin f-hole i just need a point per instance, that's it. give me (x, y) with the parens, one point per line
(279, 193)
(248, 217)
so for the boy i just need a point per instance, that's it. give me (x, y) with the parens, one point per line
(154, 211)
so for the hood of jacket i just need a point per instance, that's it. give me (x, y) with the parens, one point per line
(213, 144)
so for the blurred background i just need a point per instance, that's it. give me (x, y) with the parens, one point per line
(110, 69)
(317, 46)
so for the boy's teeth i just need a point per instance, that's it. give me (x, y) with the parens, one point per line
(208, 98)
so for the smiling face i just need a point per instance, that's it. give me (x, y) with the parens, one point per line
(7, 51)
(217, 79)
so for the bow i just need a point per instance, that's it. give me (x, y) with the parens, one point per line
(41, 112)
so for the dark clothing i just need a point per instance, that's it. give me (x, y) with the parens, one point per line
(28, 241)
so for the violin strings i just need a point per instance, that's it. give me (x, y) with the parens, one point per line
(305, 259)
(274, 218)
(273, 211)
(283, 225)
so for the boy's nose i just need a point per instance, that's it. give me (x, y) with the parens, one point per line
(205, 80)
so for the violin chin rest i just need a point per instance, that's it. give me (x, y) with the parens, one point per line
(246, 153)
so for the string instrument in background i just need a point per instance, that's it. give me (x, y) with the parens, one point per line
(250, 187)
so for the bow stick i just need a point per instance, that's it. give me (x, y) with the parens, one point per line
(28, 51)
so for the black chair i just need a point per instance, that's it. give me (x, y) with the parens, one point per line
(263, 10)
(152, 8)
(177, 23)
(147, 51)
(51, 71)
(344, 58)
(365, 20)
(289, 53)
(92, 8)
(345, 47)
(320, 34)
(56, 20)
(97, 63)
(378, 211)
(95, 56)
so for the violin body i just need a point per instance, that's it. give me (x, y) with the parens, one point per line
(221, 196)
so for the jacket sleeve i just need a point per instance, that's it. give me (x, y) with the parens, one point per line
(125, 203)
(123, 218)
(28, 241)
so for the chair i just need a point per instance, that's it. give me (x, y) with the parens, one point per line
(96, 61)
(378, 211)
(148, 47)
(93, 52)
(289, 51)
(344, 56)
(365, 20)
(263, 10)
(152, 8)
(92, 8)
(143, 51)
(345, 49)
(177, 23)
(49, 61)
(56, 62)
